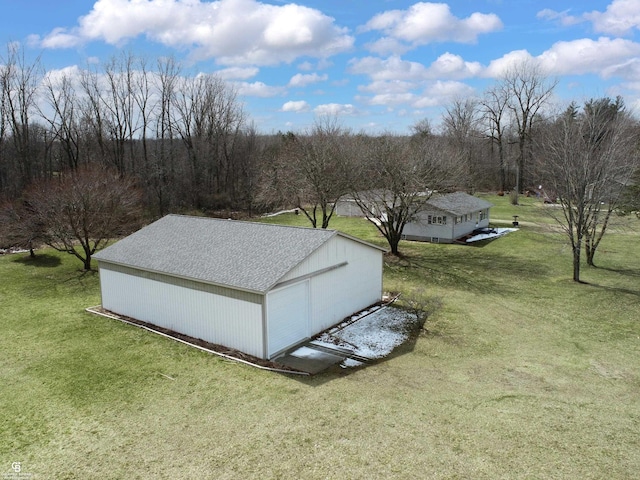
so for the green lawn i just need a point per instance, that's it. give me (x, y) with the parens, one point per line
(527, 375)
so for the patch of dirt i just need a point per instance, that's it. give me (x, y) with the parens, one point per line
(607, 371)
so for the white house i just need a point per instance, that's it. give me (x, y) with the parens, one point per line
(254, 287)
(446, 218)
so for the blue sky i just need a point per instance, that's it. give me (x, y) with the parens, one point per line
(376, 64)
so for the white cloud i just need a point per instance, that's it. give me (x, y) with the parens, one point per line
(306, 66)
(234, 32)
(301, 80)
(448, 90)
(258, 89)
(629, 69)
(453, 66)
(425, 23)
(390, 99)
(620, 18)
(433, 94)
(237, 73)
(396, 82)
(70, 73)
(605, 57)
(389, 86)
(446, 66)
(500, 66)
(562, 17)
(386, 45)
(334, 109)
(588, 56)
(392, 68)
(299, 106)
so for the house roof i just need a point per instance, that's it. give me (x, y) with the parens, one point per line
(244, 255)
(458, 203)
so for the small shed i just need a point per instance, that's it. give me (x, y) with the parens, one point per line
(254, 287)
(446, 218)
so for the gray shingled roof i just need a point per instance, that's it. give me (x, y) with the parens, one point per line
(458, 203)
(244, 255)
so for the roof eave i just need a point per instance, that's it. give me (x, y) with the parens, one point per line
(183, 277)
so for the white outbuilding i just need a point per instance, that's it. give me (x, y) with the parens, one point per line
(254, 287)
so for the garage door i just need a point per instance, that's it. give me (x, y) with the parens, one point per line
(288, 319)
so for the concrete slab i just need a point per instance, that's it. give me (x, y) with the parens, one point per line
(309, 360)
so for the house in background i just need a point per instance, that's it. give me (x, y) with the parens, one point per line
(446, 218)
(257, 288)
(347, 206)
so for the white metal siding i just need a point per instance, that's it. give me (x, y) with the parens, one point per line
(288, 316)
(341, 292)
(337, 293)
(216, 318)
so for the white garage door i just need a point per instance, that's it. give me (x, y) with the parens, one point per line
(288, 319)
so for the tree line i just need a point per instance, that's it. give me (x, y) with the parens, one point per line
(133, 139)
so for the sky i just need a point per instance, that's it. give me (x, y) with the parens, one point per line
(376, 65)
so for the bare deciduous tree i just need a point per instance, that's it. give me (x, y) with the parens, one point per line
(460, 123)
(394, 177)
(587, 157)
(62, 101)
(209, 119)
(310, 170)
(81, 210)
(529, 90)
(19, 81)
(494, 115)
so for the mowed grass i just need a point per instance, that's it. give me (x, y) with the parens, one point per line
(526, 375)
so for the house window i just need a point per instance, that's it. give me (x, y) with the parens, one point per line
(429, 220)
(444, 220)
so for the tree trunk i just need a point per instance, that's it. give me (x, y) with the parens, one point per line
(594, 236)
(577, 248)
(394, 241)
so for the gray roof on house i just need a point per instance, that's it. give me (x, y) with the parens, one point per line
(458, 203)
(243, 255)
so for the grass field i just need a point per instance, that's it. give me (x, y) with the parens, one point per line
(526, 375)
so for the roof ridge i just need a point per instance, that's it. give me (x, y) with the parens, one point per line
(249, 222)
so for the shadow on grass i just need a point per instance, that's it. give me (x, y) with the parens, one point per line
(40, 260)
(626, 291)
(467, 267)
(628, 272)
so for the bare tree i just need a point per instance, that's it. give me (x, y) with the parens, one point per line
(62, 117)
(607, 115)
(394, 177)
(208, 117)
(18, 227)
(529, 90)
(493, 108)
(19, 83)
(80, 211)
(460, 123)
(162, 165)
(310, 170)
(587, 156)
